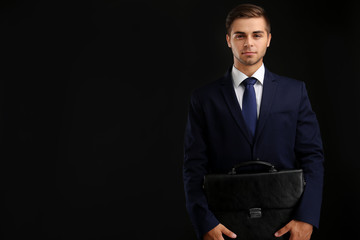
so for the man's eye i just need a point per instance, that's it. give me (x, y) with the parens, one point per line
(239, 36)
(257, 35)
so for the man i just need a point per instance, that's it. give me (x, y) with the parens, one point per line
(275, 124)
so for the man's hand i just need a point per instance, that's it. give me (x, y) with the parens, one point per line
(298, 230)
(217, 233)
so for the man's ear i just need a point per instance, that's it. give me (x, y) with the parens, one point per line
(269, 40)
(228, 40)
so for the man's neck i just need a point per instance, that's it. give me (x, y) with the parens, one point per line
(248, 70)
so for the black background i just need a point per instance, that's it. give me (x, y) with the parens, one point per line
(94, 98)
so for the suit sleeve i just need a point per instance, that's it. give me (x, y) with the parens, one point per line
(309, 152)
(195, 168)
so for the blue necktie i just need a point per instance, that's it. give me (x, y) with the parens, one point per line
(249, 104)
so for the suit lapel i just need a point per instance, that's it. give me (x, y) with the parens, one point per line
(233, 104)
(269, 90)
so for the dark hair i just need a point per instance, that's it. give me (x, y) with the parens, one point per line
(246, 10)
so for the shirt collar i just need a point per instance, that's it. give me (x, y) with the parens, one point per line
(238, 77)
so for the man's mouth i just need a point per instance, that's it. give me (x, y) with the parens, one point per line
(249, 53)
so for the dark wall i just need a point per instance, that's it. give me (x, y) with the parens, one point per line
(94, 98)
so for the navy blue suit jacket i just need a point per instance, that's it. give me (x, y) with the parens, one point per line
(216, 138)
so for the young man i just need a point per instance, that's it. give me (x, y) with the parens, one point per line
(251, 114)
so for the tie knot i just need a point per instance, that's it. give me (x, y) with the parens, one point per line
(249, 81)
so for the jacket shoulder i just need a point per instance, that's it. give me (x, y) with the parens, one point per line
(286, 80)
(209, 89)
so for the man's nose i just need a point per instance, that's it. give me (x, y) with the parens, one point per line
(248, 42)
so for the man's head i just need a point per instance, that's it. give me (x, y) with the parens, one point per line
(248, 35)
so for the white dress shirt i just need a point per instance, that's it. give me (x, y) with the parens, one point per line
(238, 77)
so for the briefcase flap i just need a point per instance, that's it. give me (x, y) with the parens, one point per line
(276, 190)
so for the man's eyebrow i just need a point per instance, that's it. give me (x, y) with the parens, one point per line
(238, 32)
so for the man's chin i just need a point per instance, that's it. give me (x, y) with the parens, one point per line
(250, 62)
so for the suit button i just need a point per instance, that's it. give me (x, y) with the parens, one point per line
(258, 159)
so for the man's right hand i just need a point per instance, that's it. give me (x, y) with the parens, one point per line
(217, 233)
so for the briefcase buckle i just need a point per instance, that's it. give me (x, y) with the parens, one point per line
(255, 213)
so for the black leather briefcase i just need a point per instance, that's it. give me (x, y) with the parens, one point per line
(254, 205)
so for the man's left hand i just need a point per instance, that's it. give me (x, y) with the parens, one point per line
(298, 230)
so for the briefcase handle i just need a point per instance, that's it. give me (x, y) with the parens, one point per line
(249, 163)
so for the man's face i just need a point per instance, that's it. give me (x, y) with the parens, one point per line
(248, 41)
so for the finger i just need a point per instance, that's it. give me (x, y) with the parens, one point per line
(283, 230)
(296, 237)
(228, 233)
(219, 236)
